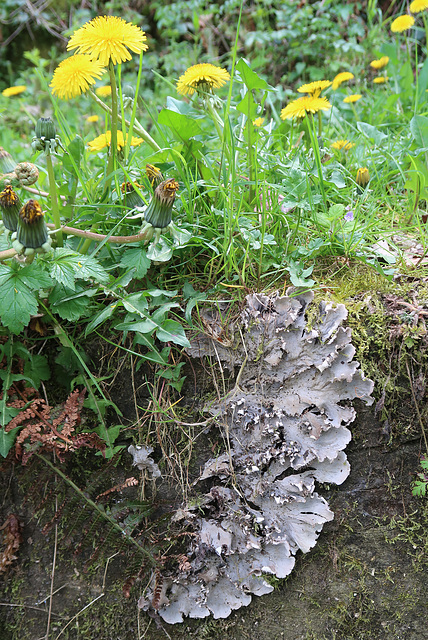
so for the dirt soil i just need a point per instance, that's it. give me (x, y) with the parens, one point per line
(365, 579)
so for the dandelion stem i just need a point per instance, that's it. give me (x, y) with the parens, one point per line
(113, 142)
(54, 198)
(137, 127)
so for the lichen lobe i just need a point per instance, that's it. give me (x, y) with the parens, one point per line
(285, 428)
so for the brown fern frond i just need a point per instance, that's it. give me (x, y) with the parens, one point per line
(157, 590)
(129, 482)
(12, 538)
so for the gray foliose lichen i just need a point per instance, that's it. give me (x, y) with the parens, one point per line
(284, 426)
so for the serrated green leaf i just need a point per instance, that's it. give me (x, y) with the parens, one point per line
(172, 331)
(135, 258)
(419, 130)
(37, 369)
(250, 77)
(371, 132)
(7, 440)
(160, 252)
(101, 317)
(65, 266)
(71, 305)
(184, 126)
(18, 299)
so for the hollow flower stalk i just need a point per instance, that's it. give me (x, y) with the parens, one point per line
(31, 234)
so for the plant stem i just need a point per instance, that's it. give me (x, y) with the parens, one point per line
(137, 127)
(54, 198)
(111, 165)
(101, 512)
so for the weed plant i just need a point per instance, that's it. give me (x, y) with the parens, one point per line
(263, 183)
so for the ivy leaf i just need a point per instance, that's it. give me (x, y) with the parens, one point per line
(135, 258)
(18, 293)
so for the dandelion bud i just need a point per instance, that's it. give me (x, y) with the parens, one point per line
(131, 197)
(154, 175)
(10, 205)
(159, 212)
(363, 177)
(45, 138)
(27, 173)
(31, 232)
(45, 128)
(7, 163)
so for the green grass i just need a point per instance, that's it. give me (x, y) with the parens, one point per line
(262, 204)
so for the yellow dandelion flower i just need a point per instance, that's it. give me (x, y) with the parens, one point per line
(108, 38)
(104, 140)
(344, 145)
(314, 88)
(341, 77)
(380, 63)
(380, 80)
(14, 91)
(300, 107)
(418, 5)
(258, 122)
(352, 98)
(402, 23)
(91, 119)
(202, 77)
(104, 91)
(74, 75)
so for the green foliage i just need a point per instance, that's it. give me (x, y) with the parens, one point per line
(420, 486)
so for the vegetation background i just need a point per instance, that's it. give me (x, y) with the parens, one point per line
(93, 334)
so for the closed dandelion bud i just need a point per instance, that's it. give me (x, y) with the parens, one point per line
(45, 138)
(32, 232)
(154, 175)
(10, 205)
(27, 173)
(363, 177)
(159, 212)
(131, 198)
(7, 163)
(45, 128)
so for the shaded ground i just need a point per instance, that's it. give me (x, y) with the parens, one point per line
(366, 577)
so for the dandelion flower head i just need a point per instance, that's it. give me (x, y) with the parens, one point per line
(74, 75)
(108, 38)
(380, 63)
(104, 140)
(14, 91)
(204, 77)
(402, 23)
(343, 144)
(258, 122)
(314, 88)
(418, 5)
(104, 91)
(300, 107)
(91, 119)
(341, 77)
(380, 80)
(352, 98)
